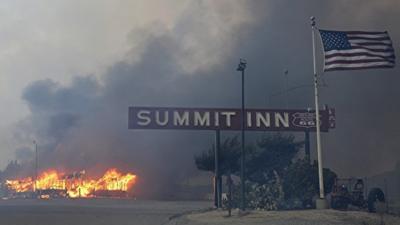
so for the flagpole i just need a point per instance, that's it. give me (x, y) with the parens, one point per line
(321, 203)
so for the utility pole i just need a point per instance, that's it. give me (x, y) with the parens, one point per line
(36, 163)
(286, 72)
(242, 67)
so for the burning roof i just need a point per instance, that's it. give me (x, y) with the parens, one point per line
(74, 185)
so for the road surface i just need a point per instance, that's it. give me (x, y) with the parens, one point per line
(92, 211)
(292, 217)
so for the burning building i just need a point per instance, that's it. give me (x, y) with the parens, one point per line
(54, 184)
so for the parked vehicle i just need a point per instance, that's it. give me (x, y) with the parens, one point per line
(350, 191)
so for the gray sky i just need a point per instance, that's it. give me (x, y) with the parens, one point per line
(62, 39)
(70, 69)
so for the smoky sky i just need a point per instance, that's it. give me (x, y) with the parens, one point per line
(84, 125)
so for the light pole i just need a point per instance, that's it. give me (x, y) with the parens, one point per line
(242, 67)
(36, 163)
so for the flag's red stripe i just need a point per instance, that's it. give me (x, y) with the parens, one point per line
(358, 68)
(372, 44)
(368, 38)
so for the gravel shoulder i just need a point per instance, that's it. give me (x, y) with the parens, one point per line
(301, 217)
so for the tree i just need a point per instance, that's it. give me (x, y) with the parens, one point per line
(276, 177)
(274, 153)
(229, 157)
(301, 181)
(12, 169)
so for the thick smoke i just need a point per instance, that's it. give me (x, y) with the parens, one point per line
(24, 154)
(84, 125)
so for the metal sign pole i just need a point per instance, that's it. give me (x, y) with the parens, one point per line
(217, 179)
(307, 146)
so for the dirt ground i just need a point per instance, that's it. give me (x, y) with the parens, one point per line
(303, 217)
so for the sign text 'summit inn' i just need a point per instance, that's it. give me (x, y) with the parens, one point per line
(228, 119)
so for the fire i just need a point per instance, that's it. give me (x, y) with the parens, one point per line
(49, 180)
(23, 185)
(74, 185)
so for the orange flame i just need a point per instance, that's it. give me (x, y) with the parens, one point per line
(50, 180)
(22, 185)
(75, 185)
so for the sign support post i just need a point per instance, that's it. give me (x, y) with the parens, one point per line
(307, 146)
(217, 174)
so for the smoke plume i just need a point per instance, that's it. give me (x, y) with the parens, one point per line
(84, 125)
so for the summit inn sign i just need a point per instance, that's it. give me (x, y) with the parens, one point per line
(229, 119)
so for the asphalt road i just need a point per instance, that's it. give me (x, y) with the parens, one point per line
(291, 217)
(93, 211)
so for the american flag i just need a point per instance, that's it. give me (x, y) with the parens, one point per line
(351, 50)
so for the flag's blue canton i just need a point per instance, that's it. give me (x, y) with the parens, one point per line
(335, 40)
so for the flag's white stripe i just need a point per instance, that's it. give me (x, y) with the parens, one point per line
(369, 38)
(383, 35)
(360, 57)
(352, 65)
(372, 47)
(331, 52)
(360, 41)
(360, 66)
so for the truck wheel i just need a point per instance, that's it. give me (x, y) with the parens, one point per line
(375, 195)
